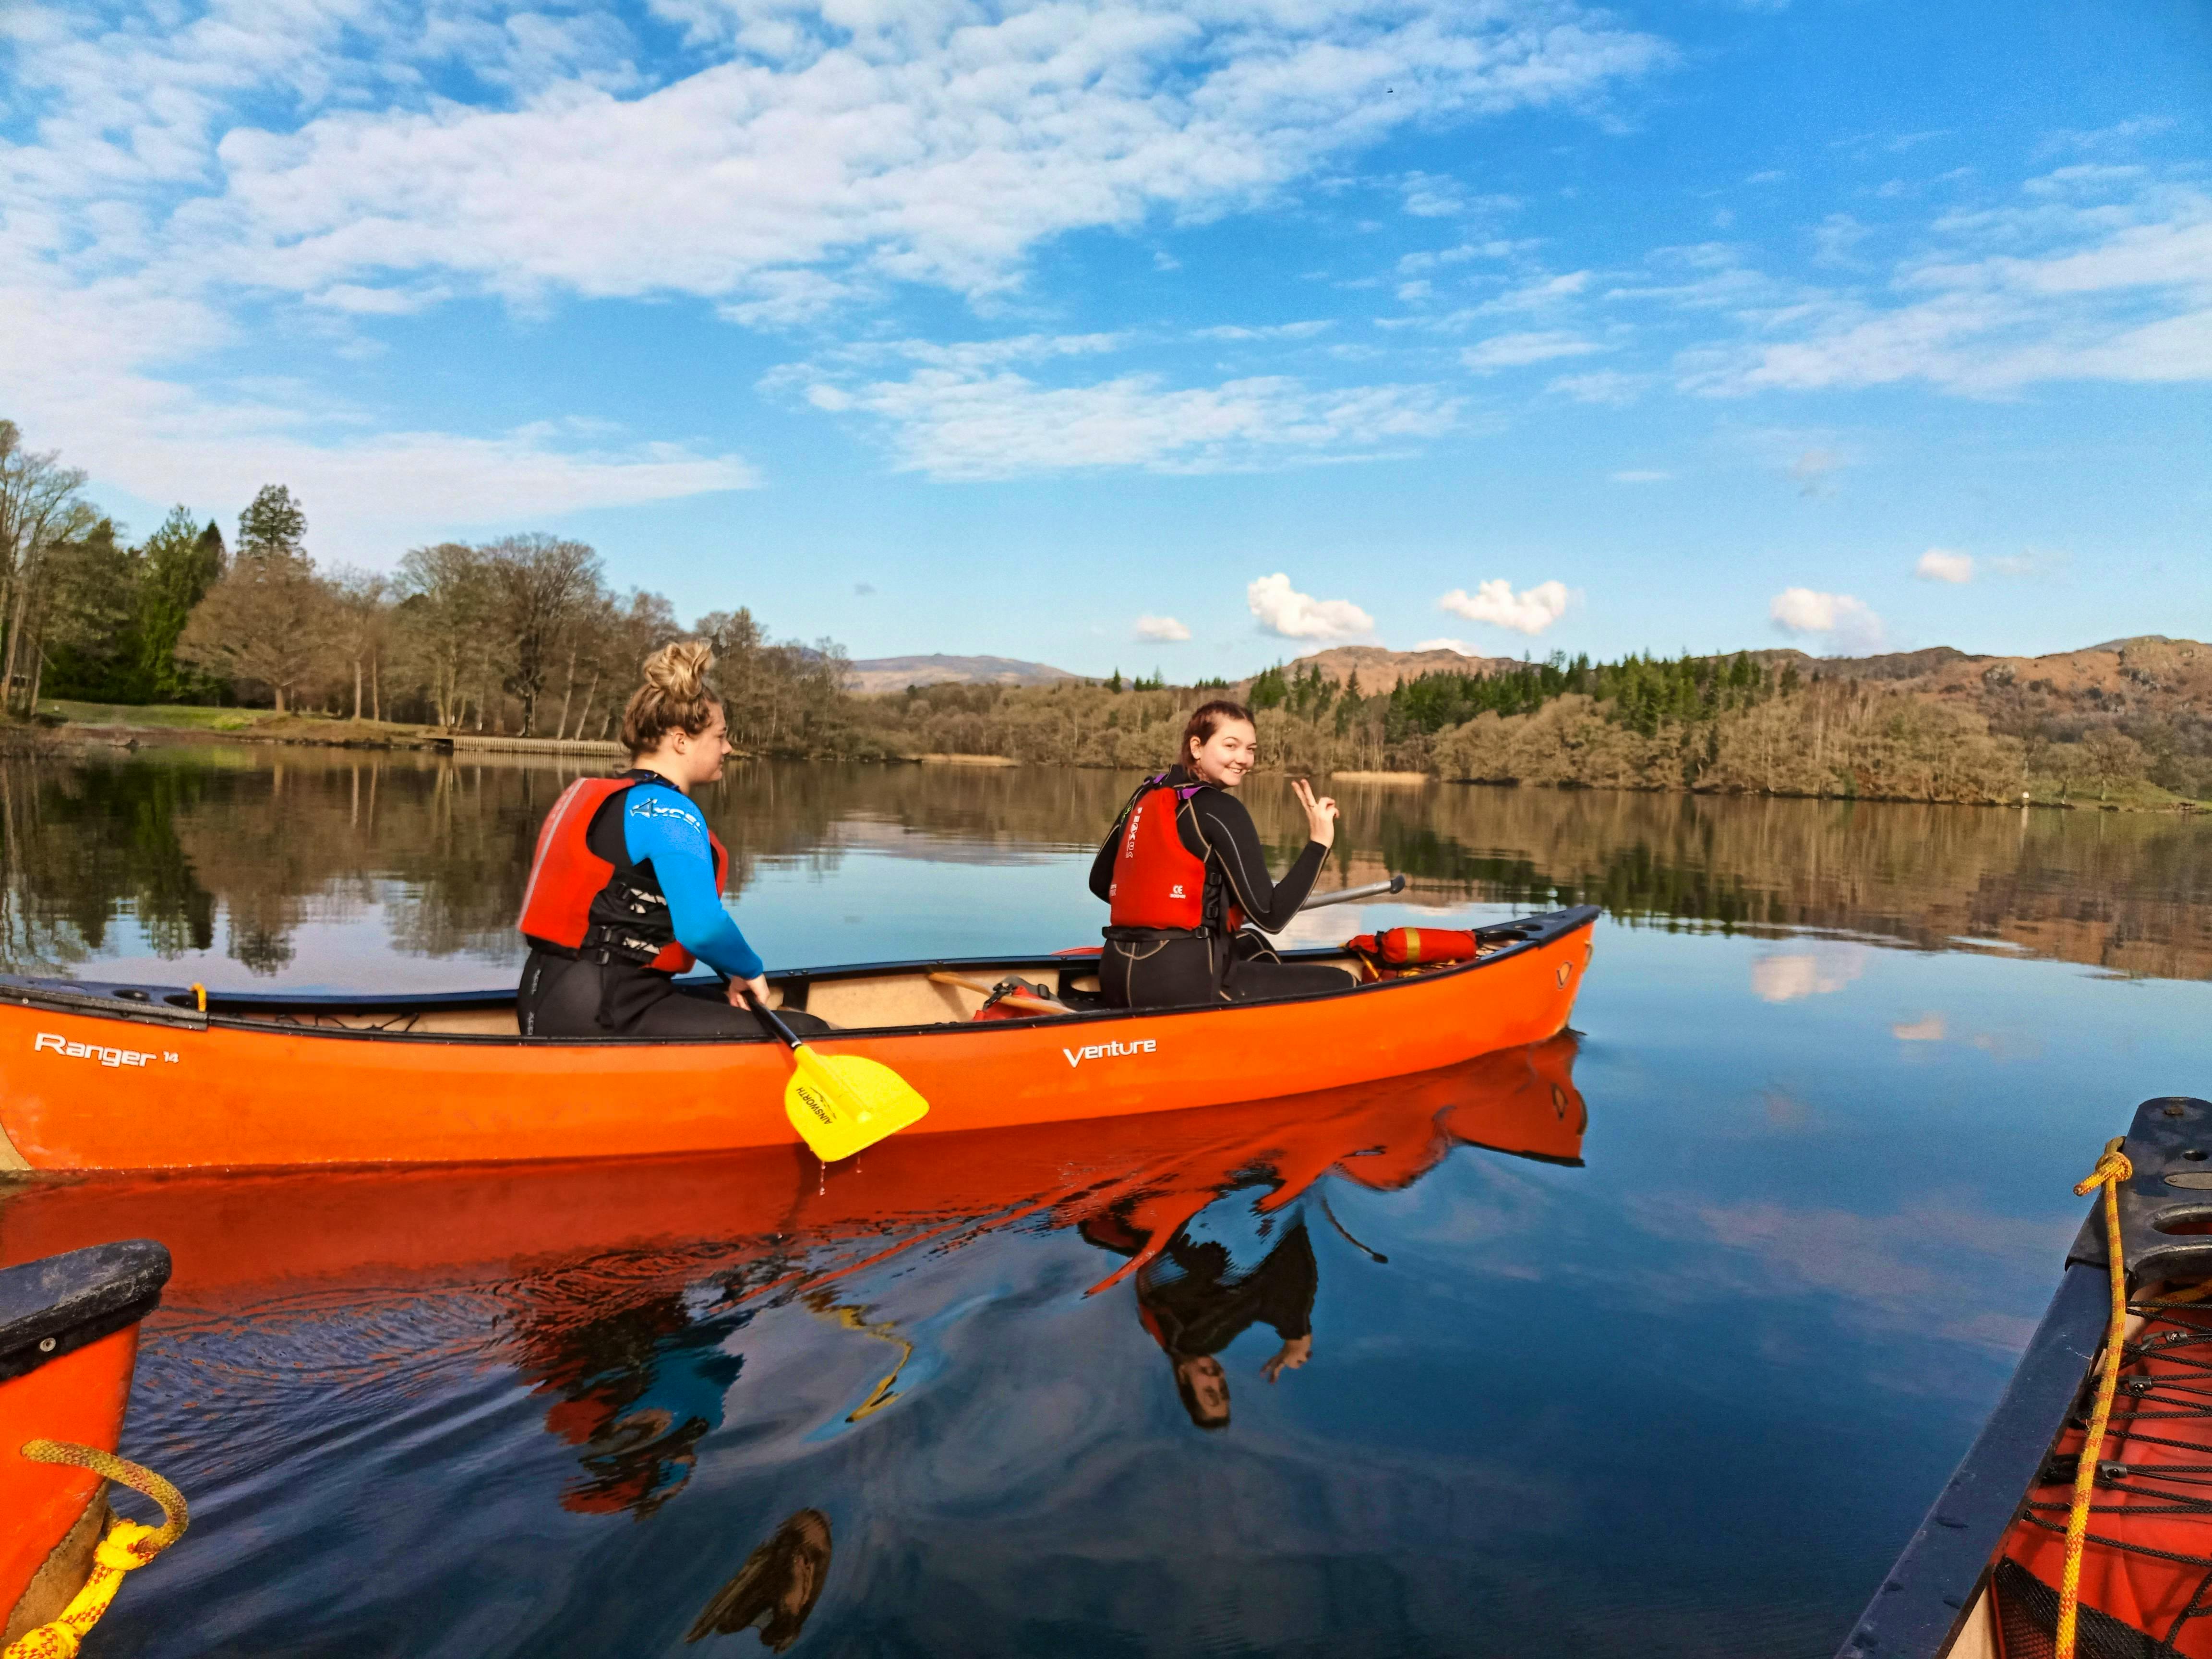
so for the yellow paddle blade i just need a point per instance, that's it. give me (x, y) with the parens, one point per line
(842, 1103)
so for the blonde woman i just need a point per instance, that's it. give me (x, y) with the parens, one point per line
(625, 890)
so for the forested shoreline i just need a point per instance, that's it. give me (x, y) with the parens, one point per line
(523, 636)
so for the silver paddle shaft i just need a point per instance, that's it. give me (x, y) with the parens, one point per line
(1350, 894)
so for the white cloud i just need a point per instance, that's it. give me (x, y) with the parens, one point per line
(1530, 611)
(1849, 624)
(1282, 609)
(1536, 296)
(1413, 264)
(1786, 976)
(1940, 564)
(1928, 1028)
(974, 423)
(1430, 197)
(1460, 646)
(936, 143)
(1514, 350)
(218, 173)
(1165, 630)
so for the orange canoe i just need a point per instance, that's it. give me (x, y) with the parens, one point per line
(109, 1077)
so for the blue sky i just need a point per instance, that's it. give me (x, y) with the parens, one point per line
(1186, 335)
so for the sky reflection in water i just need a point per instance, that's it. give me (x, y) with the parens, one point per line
(1685, 1395)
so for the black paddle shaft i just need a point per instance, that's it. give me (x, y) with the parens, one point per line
(769, 1019)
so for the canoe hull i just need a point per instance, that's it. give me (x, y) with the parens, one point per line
(152, 1088)
(68, 1339)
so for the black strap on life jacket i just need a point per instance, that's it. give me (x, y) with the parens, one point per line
(629, 920)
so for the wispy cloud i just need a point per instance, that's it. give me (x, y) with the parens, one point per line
(1608, 387)
(1164, 630)
(2120, 289)
(329, 168)
(1300, 330)
(979, 424)
(1943, 564)
(1517, 350)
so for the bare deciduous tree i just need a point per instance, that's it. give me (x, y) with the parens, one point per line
(39, 509)
(268, 621)
(444, 611)
(542, 589)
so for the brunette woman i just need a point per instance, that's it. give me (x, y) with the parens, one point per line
(1185, 874)
(626, 888)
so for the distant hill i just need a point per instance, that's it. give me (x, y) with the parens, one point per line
(1381, 670)
(897, 673)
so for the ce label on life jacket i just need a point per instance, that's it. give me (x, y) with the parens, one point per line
(1109, 1051)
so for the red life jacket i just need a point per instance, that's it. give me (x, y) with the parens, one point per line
(566, 875)
(1158, 882)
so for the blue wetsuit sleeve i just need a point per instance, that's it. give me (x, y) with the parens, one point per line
(662, 825)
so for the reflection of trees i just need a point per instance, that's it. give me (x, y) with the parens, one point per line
(84, 844)
(2129, 891)
(275, 837)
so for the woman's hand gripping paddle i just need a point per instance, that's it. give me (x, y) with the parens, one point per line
(841, 1104)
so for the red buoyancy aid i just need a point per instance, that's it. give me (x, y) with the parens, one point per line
(566, 875)
(1158, 882)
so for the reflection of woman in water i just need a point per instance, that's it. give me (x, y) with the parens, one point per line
(635, 1389)
(1227, 1269)
(777, 1587)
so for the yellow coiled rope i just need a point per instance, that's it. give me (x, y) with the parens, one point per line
(2111, 1169)
(128, 1544)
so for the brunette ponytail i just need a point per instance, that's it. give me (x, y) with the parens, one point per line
(676, 696)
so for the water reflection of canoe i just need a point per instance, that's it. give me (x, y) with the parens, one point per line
(68, 1339)
(614, 1285)
(1981, 1576)
(244, 1236)
(128, 1076)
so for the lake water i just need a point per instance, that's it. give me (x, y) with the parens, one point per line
(1655, 1340)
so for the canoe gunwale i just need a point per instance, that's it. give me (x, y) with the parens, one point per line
(237, 1011)
(2166, 1234)
(1926, 1596)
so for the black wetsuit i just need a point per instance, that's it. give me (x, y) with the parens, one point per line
(1195, 1301)
(1153, 968)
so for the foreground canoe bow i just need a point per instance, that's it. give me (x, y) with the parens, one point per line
(124, 1077)
(1983, 1577)
(68, 1341)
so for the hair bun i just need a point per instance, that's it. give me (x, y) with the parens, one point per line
(679, 672)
